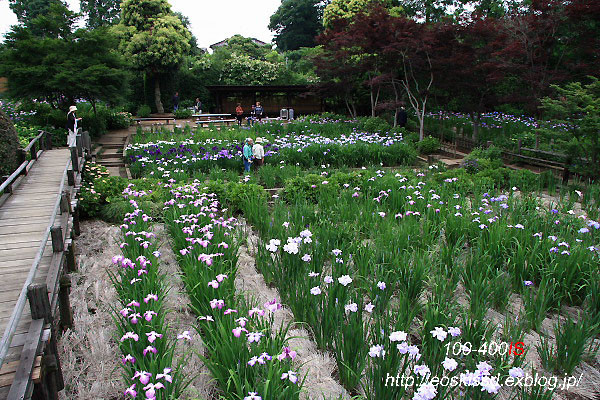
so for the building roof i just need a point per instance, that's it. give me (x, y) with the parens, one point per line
(224, 43)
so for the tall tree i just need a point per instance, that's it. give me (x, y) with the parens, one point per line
(60, 66)
(348, 9)
(101, 12)
(153, 38)
(28, 10)
(577, 106)
(296, 23)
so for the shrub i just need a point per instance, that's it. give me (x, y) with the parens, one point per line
(9, 144)
(183, 113)
(428, 145)
(119, 120)
(375, 124)
(143, 111)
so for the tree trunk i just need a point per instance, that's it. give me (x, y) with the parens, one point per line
(159, 107)
(476, 119)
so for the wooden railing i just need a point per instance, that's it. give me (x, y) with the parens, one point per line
(42, 142)
(44, 298)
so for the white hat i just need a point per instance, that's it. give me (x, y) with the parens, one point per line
(72, 108)
(259, 140)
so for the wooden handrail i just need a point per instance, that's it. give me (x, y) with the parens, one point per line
(18, 310)
(12, 177)
(34, 140)
(6, 340)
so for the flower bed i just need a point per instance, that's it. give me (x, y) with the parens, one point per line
(150, 370)
(245, 353)
(358, 265)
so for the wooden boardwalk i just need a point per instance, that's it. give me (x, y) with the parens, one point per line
(35, 225)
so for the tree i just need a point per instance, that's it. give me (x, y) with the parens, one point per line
(101, 12)
(61, 66)
(348, 9)
(296, 23)
(153, 39)
(577, 106)
(28, 10)
(465, 56)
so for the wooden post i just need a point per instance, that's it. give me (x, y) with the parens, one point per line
(58, 244)
(33, 151)
(537, 140)
(79, 145)
(38, 301)
(50, 367)
(66, 313)
(71, 259)
(74, 159)
(65, 203)
(519, 142)
(8, 188)
(48, 141)
(71, 177)
(76, 230)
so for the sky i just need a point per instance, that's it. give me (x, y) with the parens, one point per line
(212, 21)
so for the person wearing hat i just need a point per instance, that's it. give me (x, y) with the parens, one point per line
(247, 154)
(72, 126)
(258, 152)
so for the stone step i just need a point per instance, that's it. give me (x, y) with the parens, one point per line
(111, 163)
(112, 145)
(109, 157)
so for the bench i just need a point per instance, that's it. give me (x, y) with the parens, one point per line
(206, 124)
(165, 119)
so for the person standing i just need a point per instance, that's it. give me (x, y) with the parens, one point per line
(401, 117)
(198, 106)
(247, 154)
(259, 111)
(176, 102)
(258, 153)
(252, 116)
(72, 126)
(239, 114)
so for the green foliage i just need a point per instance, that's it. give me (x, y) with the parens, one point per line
(183, 113)
(90, 200)
(9, 145)
(61, 66)
(347, 9)
(119, 120)
(578, 107)
(152, 37)
(296, 23)
(144, 111)
(428, 145)
(572, 339)
(28, 10)
(375, 124)
(101, 12)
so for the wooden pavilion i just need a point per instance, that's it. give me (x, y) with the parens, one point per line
(272, 98)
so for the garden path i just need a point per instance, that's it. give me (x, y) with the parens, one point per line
(25, 220)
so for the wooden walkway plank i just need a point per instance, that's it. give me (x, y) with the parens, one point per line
(24, 218)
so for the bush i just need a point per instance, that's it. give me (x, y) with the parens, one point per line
(9, 144)
(119, 120)
(144, 111)
(428, 145)
(183, 113)
(375, 124)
